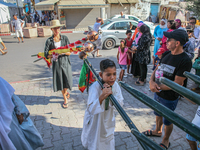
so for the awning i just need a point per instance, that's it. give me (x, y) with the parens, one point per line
(74, 4)
(46, 5)
(122, 1)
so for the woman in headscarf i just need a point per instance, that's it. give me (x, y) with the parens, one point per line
(171, 26)
(158, 34)
(17, 131)
(135, 69)
(142, 54)
(178, 24)
(61, 66)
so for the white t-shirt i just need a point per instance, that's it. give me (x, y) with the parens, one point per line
(196, 119)
(57, 44)
(96, 27)
(42, 16)
(55, 17)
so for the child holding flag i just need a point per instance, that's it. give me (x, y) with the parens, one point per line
(99, 122)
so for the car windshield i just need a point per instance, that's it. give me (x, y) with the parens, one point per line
(106, 22)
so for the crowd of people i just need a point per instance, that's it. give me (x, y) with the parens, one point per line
(44, 19)
(173, 51)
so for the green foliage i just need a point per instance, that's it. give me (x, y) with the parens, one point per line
(194, 6)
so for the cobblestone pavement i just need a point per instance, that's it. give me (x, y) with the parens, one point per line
(61, 128)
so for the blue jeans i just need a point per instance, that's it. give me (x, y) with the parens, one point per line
(167, 103)
(190, 138)
(123, 67)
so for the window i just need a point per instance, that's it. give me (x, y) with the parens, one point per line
(133, 18)
(120, 26)
(132, 25)
(106, 23)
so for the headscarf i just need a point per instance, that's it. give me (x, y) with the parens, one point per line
(140, 34)
(179, 21)
(145, 29)
(163, 26)
(6, 110)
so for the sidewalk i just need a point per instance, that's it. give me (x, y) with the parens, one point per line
(78, 30)
(61, 128)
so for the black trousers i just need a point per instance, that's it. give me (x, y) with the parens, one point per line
(143, 72)
(42, 22)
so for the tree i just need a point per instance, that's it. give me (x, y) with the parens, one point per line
(194, 6)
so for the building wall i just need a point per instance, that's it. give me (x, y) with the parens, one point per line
(81, 18)
(117, 8)
(141, 9)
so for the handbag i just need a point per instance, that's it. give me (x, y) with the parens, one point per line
(196, 64)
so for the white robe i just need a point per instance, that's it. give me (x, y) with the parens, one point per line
(99, 124)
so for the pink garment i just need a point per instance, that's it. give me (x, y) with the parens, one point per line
(164, 40)
(140, 34)
(137, 38)
(179, 21)
(123, 56)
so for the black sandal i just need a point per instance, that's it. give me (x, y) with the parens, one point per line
(165, 147)
(68, 95)
(149, 133)
(64, 105)
(138, 83)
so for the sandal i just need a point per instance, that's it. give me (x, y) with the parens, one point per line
(149, 133)
(163, 146)
(65, 105)
(68, 95)
(139, 83)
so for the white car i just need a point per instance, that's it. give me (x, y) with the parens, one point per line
(131, 17)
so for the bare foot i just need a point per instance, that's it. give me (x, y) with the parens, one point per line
(4, 53)
(4, 49)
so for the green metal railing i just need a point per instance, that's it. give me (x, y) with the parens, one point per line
(176, 119)
(181, 90)
(145, 142)
(193, 77)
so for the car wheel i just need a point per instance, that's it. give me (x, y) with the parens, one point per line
(109, 44)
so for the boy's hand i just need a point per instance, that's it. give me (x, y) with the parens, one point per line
(106, 91)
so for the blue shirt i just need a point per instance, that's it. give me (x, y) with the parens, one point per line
(96, 27)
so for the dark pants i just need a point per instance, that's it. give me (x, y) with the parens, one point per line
(43, 22)
(143, 72)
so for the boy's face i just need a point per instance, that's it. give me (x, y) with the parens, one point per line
(109, 75)
(160, 56)
(129, 35)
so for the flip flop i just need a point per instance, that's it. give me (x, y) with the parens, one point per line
(68, 95)
(138, 83)
(93, 55)
(99, 55)
(149, 133)
(165, 147)
(65, 105)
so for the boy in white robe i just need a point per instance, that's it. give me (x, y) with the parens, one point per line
(99, 124)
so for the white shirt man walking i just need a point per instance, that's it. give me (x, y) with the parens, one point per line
(18, 24)
(97, 26)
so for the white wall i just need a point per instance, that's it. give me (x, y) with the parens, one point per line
(141, 9)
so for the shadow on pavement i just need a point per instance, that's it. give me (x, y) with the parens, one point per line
(58, 135)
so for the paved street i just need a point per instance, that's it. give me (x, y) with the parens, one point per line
(61, 128)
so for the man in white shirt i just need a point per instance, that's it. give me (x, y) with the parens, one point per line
(192, 22)
(96, 27)
(18, 24)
